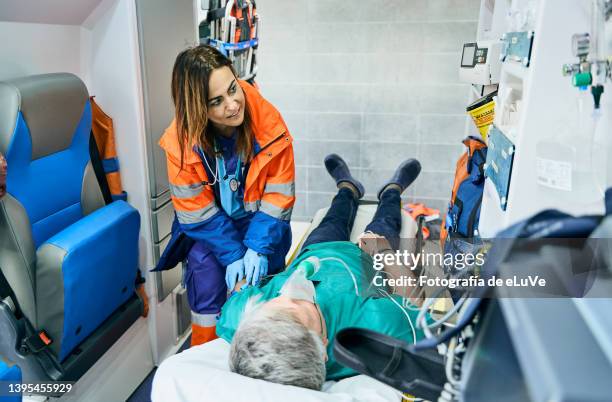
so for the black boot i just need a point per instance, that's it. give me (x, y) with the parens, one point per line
(339, 170)
(404, 175)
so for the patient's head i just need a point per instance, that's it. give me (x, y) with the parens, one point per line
(281, 341)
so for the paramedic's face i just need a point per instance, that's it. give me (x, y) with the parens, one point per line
(225, 106)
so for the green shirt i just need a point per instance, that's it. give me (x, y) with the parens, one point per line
(346, 297)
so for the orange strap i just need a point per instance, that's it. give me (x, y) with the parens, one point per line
(104, 134)
(420, 209)
(239, 15)
(416, 210)
(142, 293)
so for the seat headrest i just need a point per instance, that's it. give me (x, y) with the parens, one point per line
(51, 105)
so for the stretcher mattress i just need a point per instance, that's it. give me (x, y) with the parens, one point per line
(364, 216)
(201, 374)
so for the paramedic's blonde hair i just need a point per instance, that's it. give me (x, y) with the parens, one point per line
(271, 344)
(190, 78)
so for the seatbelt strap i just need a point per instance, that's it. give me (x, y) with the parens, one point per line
(98, 167)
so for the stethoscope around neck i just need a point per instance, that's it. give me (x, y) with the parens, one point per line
(234, 183)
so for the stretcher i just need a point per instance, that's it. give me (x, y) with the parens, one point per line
(364, 216)
(202, 373)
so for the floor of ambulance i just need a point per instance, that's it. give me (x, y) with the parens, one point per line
(143, 392)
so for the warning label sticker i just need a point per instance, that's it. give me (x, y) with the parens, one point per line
(554, 174)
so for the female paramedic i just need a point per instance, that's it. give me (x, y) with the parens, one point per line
(231, 172)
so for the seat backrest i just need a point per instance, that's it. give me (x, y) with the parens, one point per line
(45, 125)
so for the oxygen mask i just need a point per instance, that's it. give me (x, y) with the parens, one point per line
(298, 286)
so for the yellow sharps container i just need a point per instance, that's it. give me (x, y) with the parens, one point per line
(482, 112)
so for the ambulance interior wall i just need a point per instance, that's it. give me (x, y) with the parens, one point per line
(376, 82)
(29, 48)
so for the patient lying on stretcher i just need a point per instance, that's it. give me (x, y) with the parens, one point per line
(283, 330)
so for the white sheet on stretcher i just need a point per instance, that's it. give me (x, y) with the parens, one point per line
(201, 374)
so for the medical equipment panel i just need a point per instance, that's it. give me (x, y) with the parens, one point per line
(490, 366)
(480, 63)
(550, 142)
(536, 355)
(498, 167)
(517, 47)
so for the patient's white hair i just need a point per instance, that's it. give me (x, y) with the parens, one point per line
(271, 344)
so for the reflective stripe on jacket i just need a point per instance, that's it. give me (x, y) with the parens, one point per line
(269, 187)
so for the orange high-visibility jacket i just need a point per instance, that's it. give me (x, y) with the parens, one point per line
(269, 188)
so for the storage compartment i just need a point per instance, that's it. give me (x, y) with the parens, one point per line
(159, 200)
(166, 280)
(162, 221)
(183, 312)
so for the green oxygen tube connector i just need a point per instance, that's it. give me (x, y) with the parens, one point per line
(581, 80)
(588, 73)
(310, 265)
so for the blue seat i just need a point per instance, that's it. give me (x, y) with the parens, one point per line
(9, 376)
(70, 260)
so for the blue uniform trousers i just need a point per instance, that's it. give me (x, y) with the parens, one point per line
(205, 276)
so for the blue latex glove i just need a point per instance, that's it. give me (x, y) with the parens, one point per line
(234, 273)
(255, 266)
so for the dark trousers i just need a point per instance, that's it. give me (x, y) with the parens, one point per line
(339, 219)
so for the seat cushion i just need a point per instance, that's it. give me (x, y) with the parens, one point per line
(86, 272)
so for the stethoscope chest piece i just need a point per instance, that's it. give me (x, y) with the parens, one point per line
(233, 185)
